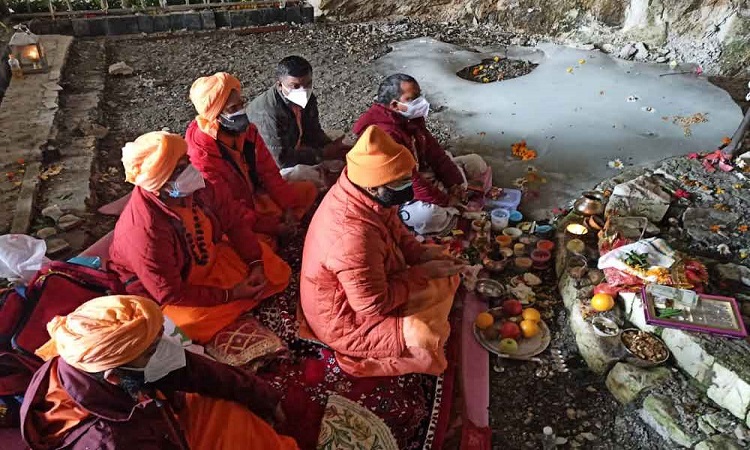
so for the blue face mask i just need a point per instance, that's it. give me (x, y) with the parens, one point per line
(189, 181)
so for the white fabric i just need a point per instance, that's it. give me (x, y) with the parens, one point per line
(169, 356)
(21, 256)
(660, 254)
(302, 172)
(426, 218)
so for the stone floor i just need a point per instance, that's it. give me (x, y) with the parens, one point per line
(27, 114)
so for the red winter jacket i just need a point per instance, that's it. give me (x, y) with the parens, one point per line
(206, 156)
(414, 135)
(150, 252)
(356, 273)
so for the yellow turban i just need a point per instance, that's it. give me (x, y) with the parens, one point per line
(376, 159)
(150, 160)
(104, 333)
(209, 96)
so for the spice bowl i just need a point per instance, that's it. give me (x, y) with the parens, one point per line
(512, 232)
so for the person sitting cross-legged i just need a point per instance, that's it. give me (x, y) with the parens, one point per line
(440, 182)
(287, 117)
(229, 151)
(112, 381)
(368, 288)
(188, 244)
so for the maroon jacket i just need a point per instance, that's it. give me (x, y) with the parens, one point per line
(414, 135)
(206, 156)
(116, 421)
(150, 252)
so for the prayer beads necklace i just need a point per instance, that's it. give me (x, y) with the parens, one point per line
(201, 255)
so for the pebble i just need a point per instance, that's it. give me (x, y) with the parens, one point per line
(589, 436)
(120, 68)
(53, 212)
(591, 388)
(561, 441)
(571, 413)
(46, 232)
(55, 246)
(68, 222)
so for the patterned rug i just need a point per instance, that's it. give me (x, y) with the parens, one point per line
(412, 407)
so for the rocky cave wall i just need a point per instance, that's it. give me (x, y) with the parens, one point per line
(712, 33)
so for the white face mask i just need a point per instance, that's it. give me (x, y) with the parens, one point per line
(189, 181)
(299, 96)
(169, 356)
(419, 107)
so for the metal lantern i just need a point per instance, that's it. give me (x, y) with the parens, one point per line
(27, 49)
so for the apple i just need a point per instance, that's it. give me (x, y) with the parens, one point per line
(510, 330)
(512, 307)
(491, 333)
(508, 346)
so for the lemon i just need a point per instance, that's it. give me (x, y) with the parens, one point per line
(602, 302)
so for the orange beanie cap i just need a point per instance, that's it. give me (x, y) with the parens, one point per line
(376, 159)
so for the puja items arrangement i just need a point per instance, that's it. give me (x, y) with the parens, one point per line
(512, 331)
(511, 255)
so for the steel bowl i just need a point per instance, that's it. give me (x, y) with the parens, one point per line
(635, 360)
(490, 288)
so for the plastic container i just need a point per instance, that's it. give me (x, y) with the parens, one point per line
(503, 240)
(499, 218)
(513, 233)
(545, 244)
(515, 217)
(509, 200)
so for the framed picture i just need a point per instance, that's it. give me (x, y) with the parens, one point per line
(712, 314)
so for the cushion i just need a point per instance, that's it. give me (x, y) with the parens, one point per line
(246, 342)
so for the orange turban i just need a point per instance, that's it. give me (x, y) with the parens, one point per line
(150, 160)
(376, 159)
(104, 333)
(209, 95)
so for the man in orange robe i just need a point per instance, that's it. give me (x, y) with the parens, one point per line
(112, 381)
(188, 245)
(230, 152)
(368, 289)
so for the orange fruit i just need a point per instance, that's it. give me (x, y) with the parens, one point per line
(484, 320)
(529, 328)
(602, 302)
(531, 314)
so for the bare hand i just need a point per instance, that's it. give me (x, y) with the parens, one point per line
(440, 268)
(435, 252)
(458, 195)
(251, 286)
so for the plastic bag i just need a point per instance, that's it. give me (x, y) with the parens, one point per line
(21, 256)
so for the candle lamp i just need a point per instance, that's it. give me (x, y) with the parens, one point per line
(26, 48)
(576, 230)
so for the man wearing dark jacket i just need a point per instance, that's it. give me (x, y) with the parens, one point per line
(288, 120)
(440, 180)
(112, 381)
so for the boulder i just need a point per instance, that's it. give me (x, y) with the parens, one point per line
(660, 413)
(718, 442)
(626, 381)
(642, 196)
(627, 51)
(641, 52)
(698, 223)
